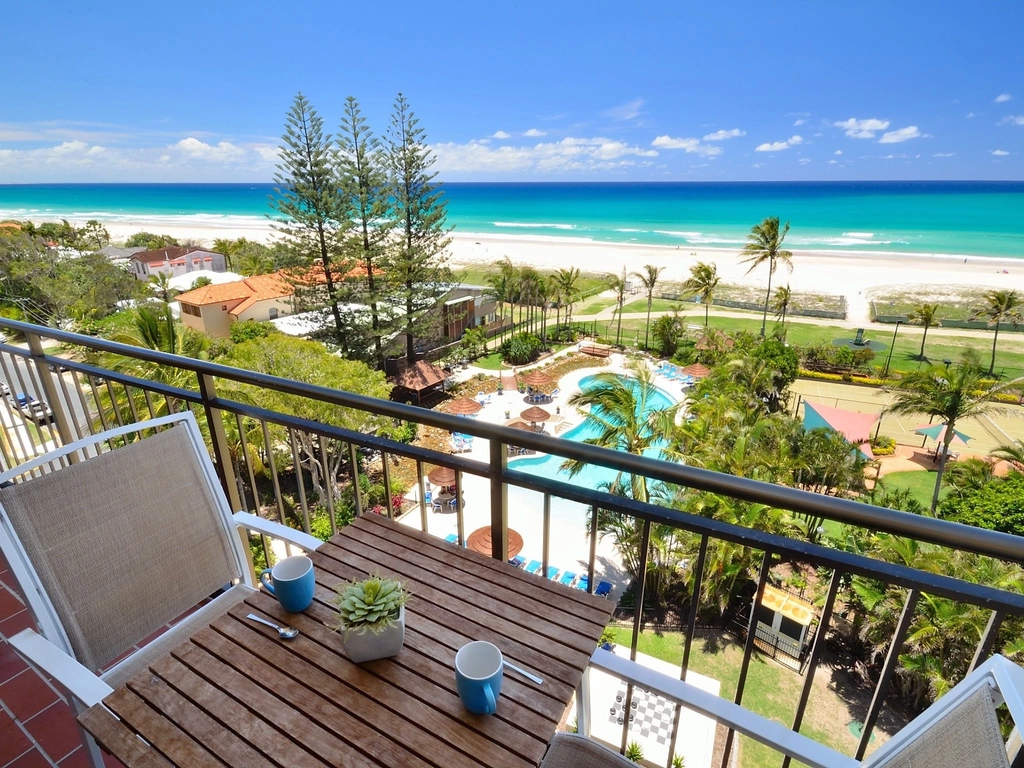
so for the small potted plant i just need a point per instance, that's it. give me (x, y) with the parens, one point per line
(371, 618)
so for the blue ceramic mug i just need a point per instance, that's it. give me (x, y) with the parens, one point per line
(291, 582)
(478, 675)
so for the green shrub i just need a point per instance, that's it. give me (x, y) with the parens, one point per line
(249, 330)
(807, 374)
(521, 348)
(883, 445)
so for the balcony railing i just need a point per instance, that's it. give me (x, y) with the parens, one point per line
(86, 398)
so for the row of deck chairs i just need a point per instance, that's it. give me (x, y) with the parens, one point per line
(462, 443)
(568, 578)
(672, 373)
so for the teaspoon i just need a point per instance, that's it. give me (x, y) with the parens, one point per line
(285, 633)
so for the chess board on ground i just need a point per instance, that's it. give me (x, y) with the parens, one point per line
(650, 715)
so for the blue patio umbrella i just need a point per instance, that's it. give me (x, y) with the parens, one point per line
(937, 432)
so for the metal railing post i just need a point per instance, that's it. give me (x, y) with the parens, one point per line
(67, 435)
(499, 500)
(583, 705)
(219, 438)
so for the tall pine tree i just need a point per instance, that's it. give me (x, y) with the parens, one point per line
(418, 260)
(307, 195)
(365, 194)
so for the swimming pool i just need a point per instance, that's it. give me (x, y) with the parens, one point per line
(591, 476)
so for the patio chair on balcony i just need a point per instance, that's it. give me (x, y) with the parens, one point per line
(960, 730)
(112, 538)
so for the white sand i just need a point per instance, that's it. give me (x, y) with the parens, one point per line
(850, 274)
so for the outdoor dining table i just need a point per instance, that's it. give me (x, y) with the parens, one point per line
(237, 694)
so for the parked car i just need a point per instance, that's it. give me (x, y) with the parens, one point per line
(32, 409)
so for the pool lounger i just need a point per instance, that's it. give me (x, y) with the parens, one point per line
(451, 538)
(533, 567)
(568, 578)
(552, 572)
(603, 589)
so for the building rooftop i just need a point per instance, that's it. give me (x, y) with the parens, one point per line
(249, 290)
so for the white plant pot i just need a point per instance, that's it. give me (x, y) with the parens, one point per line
(367, 646)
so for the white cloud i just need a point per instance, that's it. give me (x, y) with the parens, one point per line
(804, 160)
(501, 135)
(799, 122)
(969, 115)
(944, 154)
(838, 152)
(1000, 152)
(722, 135)
(690, 146)
(862, 129)
(224, 150)
(1002, 97)
(888, 157)
(1012, 120)
(901, 135)
(569, 154)
(778, 146)
(833, 162)
(533, 132)
(627, 111)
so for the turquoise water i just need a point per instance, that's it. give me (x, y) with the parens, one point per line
(947, 217)
(590, 476)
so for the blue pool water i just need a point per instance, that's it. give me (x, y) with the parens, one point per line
(591, 476)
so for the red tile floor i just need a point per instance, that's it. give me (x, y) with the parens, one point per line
(36, 725)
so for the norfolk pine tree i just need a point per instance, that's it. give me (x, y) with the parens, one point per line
(364, 189)
(417, 264)
(307, 194)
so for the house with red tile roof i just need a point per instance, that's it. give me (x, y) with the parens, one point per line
(213, 308)
(175, 260)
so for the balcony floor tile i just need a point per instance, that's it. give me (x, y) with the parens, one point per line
(26, 695)
(54, 729)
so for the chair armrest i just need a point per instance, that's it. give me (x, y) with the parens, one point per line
(300, 539)
(66, 671)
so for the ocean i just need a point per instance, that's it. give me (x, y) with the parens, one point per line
(923, 217)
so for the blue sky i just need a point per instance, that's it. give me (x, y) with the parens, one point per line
(188, 91)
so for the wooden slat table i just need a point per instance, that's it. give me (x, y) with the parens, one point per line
(236, 694)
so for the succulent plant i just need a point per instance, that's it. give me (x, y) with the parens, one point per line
(369, 605)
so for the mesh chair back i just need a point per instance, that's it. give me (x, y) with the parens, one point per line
(124, 542)
(966, 735)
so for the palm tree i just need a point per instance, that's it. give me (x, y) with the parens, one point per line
(764, 243)
(1011, 452)
(649, 279)
(618, 284)
(1003, 307)
(161, 282)
(783, 296)
(254, 259)
(926, 315)
(703, 280)
(952, 395)
(619, 409)
(500, 292)
(568, 288)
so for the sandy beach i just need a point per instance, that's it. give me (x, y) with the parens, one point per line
(853, 275)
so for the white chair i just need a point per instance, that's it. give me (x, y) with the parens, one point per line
(960, 730)
(113, 537)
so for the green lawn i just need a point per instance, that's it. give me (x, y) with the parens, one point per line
(657, 305)
(491, 362)
(771, 690)
(1009, 356)
(921, 484)
(593, 306)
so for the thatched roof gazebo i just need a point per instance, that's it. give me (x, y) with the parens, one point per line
(418, 380)
(535, 414)
(697, 370)
(538, 379)
(464, 406)
(441, 476)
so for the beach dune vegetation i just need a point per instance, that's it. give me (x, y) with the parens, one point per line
(764, 244)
